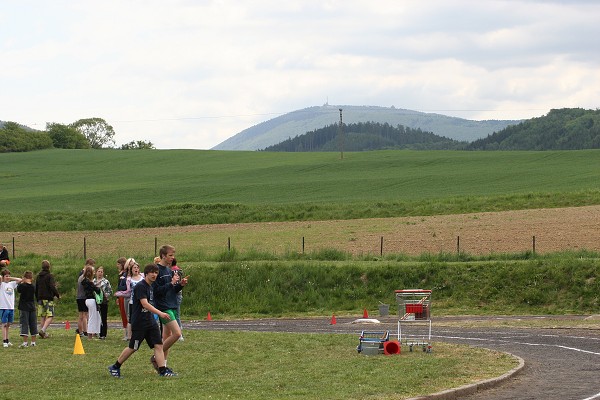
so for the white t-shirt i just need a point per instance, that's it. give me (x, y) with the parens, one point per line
(7, 295)
(132, 284)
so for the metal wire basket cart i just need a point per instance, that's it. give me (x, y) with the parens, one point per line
(414, 322)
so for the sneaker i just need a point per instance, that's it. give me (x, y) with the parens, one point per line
(23, 345)
(33, 344)
(154, 364)
(125, 339)
(4, 344)
(168, 373)
(43, 334)
(8, 344)
(181, 338)
(114, 371)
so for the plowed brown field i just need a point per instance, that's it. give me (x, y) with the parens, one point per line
(548, 230)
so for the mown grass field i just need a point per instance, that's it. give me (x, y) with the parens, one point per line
(241, 365)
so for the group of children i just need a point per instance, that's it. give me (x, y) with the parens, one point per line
(42, 293)
(156, 294)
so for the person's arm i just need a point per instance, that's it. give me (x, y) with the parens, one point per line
(53, 289)
(146, 304)
(108, 288)
(162, 285)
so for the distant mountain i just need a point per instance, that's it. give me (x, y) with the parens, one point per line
(560, 129)
(299, 122)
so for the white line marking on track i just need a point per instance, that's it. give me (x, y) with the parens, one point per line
(521, 343)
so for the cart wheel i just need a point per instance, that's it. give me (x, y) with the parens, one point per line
(424, 348)
(410, 348)
(429, 349)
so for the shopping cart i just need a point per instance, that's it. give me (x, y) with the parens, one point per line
(414, 322)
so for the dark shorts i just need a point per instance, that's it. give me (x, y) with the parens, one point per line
(81, 307)
(151, 336)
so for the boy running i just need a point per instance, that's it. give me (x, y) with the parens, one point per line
(144, 326)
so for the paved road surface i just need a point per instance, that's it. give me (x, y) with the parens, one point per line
(560, 364)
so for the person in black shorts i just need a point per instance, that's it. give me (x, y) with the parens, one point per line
(144, 326)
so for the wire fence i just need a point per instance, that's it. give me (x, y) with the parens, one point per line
(115, 244)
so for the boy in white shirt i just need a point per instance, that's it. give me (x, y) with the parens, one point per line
(7, 304)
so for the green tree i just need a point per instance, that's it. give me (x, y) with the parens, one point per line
(97, 131)
(66, 137)
(138, 145)
(17, 138)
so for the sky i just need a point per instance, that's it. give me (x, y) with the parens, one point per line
(187, 74)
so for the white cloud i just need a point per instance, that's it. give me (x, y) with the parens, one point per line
(190, 74)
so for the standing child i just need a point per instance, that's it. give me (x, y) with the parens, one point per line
(27, 315)
(7, 304)
(106, 288)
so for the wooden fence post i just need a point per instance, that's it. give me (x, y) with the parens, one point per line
(84, 249)
(13, 248)
(533, 244)
(381, 247)
(458, 245)
(302, 244)
(229, 244)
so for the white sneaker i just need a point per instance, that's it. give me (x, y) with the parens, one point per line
(181, 338)
(23, 345)
(4, 344)
(9, 343)
(33, 344)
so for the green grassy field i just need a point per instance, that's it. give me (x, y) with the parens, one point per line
(88, 189)
(241, 365)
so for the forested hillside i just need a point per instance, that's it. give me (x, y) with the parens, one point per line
(560, 129)
(366, 136)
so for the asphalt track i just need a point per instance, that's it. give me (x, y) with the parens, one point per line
(560, 363)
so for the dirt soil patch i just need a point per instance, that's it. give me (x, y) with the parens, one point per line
(542, 230)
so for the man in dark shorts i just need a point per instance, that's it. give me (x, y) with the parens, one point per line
(144, 326)
(166, 287)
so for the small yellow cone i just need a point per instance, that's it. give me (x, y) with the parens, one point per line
(78, 349)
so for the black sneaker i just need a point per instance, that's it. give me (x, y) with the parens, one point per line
(114, 371)
(168, 373)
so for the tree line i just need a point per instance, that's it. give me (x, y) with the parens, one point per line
(560, 129)
(364, 136)
(87, 133)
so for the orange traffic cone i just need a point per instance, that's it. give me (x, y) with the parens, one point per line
(365, 313)
(78, 349)
(67, 325)
(208, 317)
(333, 321)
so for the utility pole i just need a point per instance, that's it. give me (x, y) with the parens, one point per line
(341, 137)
